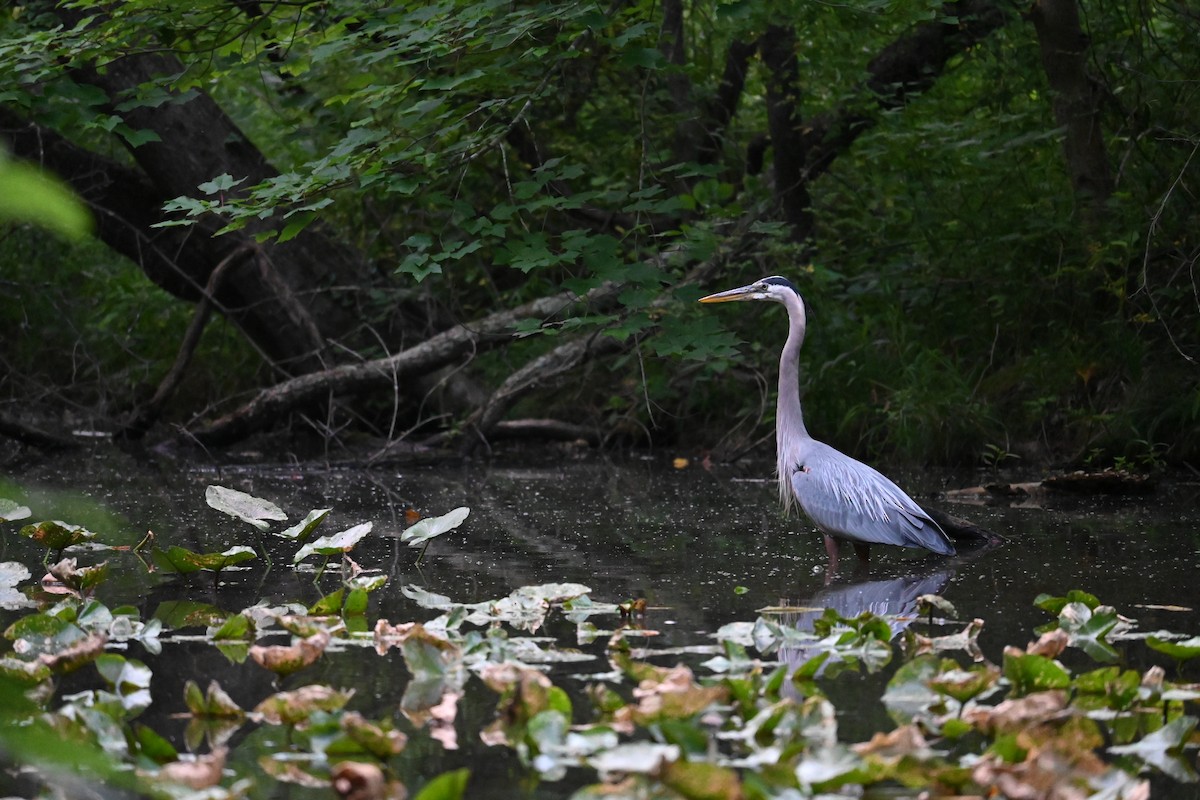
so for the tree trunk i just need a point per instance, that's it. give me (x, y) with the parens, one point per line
(1076, 98)
(777, 47)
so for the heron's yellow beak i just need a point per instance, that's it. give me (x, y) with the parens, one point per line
(740, 293)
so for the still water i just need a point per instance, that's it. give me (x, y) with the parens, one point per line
(703, 547)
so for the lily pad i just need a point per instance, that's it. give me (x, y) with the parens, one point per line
(334, 544)
(291, 708)
(11, 510)
(246, 507)
(430, 528)
(286, 659)
(55, 535)
(304, 528)
(1178, 650)
(11, 574)
(184, 561)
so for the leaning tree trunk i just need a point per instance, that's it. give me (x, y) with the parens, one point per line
(279, 297)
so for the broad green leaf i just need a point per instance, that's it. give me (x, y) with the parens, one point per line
(447, 786)
(183, 561)
(1029, 672)
(1178, 650)
(55, 535)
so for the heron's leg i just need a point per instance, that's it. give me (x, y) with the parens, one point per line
(831, 548)
(863, 551)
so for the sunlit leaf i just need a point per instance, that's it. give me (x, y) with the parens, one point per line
(432, 527)
(636, 757)
(304, 528)
(334, 544)
(11, 574)
(246, 507)
(11, 510)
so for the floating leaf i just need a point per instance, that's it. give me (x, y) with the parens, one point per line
(11, 574)
(183, 561)
(432, 527)
(11, 510)
(1088, 627)
(447, 786)
(1178, 650)
(635, 757)
(380, 741)
(304, 528)
(1162, 749)
(214, 703)
(1029, 672)
(79, 579)
(291, 708)
(238, 627)
(286, 659)
(199, 772)
(246, 507)
(55, 535)
(963, 685)
(334, 544)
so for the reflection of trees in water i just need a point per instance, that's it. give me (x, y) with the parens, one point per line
(894, 597)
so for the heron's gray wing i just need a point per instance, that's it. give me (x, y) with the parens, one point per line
(848, 499)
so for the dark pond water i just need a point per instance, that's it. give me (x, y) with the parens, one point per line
(703, 547)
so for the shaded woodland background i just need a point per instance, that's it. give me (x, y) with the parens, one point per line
(445, 224)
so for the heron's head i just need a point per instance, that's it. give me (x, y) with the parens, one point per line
(774, 288)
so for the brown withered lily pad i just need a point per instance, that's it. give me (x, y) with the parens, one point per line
(286, 659)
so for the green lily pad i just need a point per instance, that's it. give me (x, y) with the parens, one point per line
(55, 535)
(1029, 672)
(1163, 749)
(447, 786)
(1178, 650)
(304, 528)
(184, 561)
(246, 507)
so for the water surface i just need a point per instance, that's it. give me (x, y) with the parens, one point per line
(703, 547)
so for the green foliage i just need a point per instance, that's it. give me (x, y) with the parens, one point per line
(482, 153)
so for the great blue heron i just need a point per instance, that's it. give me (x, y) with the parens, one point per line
(843, 497)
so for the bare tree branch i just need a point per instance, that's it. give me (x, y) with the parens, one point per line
(437, 351)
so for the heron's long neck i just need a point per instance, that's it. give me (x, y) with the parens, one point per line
(789, 419)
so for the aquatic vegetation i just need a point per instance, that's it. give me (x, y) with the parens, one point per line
(568, 683)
